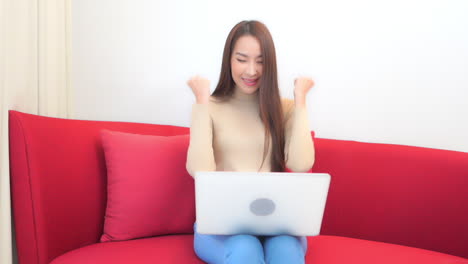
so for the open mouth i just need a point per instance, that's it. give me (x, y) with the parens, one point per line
(250, 82)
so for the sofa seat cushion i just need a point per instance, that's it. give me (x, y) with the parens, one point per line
(160, 249)
(321, 250)
(338, 250)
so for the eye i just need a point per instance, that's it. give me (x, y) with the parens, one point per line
(240, 60)
(261, 62)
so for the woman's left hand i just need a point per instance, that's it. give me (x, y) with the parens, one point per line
(302, 86)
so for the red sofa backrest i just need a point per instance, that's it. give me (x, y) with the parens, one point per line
(390, 193)
(398, 194)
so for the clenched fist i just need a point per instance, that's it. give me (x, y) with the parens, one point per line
(302, 86)
(200, 88)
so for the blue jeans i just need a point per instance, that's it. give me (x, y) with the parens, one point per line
(246, 249)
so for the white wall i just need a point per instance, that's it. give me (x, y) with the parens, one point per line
(385, 71)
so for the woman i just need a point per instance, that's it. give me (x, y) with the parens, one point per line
(245, 126)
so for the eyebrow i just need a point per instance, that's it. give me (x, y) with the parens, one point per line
(244, 55)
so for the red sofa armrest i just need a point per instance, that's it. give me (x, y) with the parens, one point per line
(58, 181)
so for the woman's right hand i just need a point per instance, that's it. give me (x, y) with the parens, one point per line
(200, 88)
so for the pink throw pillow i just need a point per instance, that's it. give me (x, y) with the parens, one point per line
(149, 191)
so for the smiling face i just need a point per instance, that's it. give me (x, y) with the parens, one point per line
(247, 64)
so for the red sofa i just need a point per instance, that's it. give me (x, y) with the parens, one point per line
(386, 204)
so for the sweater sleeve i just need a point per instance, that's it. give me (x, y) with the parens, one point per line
(200, 156)
(299, 146)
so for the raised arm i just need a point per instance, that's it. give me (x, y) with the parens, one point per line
(299, 146)
(200, 156)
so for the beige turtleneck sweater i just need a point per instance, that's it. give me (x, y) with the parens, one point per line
(229, 136)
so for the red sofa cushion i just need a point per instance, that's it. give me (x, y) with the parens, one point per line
(160, 249)
(149, 190)
(338, 250)
(322, 250)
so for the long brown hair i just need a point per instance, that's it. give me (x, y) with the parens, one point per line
(271, 111)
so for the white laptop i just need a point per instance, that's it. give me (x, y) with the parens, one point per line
(260, 203)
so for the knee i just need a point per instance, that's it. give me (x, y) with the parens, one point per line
(245, 243)
(284, 249)
(243, 249)
(282, 241)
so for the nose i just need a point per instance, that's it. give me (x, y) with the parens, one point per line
(252, 69)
